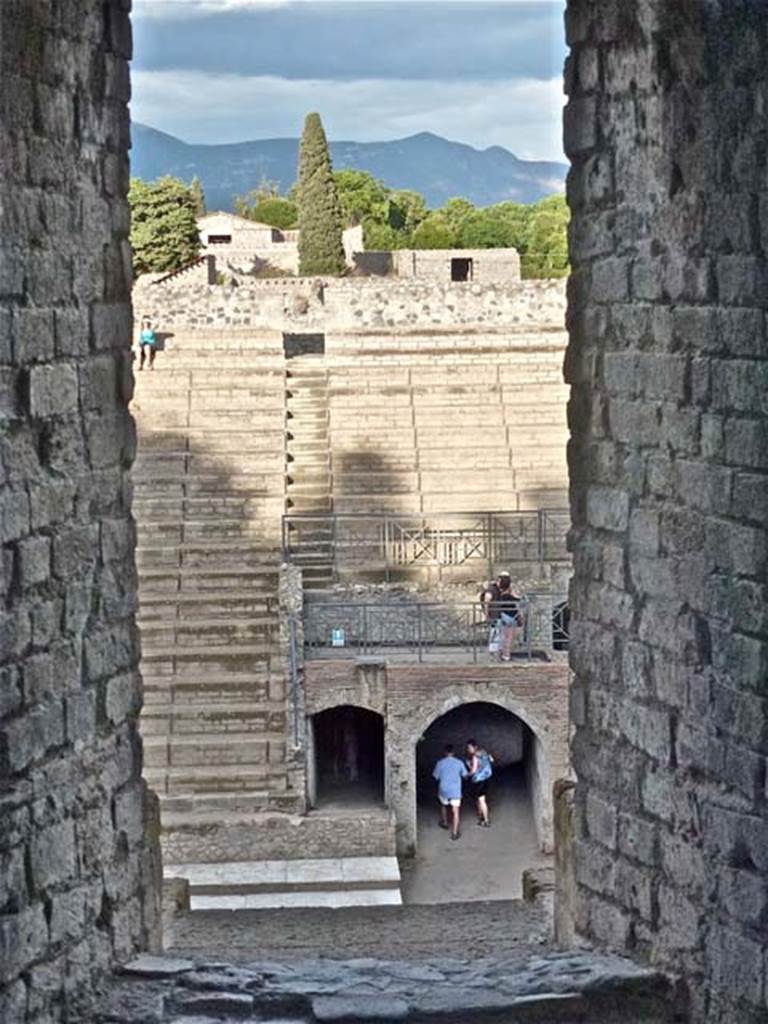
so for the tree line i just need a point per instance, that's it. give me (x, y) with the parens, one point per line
(323, 202)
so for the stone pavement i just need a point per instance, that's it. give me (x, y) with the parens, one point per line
(416, 932)
(556, 987)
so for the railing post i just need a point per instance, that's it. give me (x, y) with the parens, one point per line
(490, 542)
(335, 547)
(541, 540)
(387, 541)
(475, 631)
(418, 633)
(364, 632)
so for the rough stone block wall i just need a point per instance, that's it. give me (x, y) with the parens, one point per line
(666, 130)
(77, 866)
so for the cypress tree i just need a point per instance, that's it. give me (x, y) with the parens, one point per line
(321, 250)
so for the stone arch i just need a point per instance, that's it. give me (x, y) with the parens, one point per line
(401, 755)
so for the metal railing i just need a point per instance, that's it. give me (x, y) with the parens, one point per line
(385, 542)
(420, 630)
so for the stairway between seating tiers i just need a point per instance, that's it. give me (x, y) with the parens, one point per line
(209, 493)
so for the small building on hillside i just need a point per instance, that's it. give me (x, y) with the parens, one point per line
(484, 266)
(245, 246)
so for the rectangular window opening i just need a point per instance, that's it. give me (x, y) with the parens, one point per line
(219, 239)
(461, 269)
(303, 345)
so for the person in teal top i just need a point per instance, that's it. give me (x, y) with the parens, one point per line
(147, 340)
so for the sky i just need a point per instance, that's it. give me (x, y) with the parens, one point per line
(483, 72)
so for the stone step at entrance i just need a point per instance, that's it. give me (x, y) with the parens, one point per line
(273, 884)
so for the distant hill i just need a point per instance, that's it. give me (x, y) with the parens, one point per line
(437, 168)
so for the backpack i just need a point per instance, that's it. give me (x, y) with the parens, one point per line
(485, 771)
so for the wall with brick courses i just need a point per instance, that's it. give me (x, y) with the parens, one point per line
(77, 861)
(412, 697)
(347, 305)
(666, 130)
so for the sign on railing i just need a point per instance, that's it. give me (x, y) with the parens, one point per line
(386, 542)
(418, 630)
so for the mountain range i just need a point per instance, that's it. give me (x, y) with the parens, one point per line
(434, 166)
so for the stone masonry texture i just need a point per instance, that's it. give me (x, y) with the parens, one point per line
(77, 869)
(665, 128)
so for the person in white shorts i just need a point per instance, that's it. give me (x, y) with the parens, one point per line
(448, 773)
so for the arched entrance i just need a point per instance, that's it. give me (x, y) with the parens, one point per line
(347, 752)
(484, 863)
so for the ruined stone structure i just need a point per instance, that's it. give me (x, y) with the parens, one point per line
(665, 127)
(245, 247)
(319, 398)
(79, 864)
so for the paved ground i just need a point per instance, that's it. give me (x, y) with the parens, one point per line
(483, 864)
(407, 933)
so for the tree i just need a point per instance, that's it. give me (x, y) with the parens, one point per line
(164, 232)
(407, 210)
(362, 197)
(546, 239)
(456, 210)
(484, 229)
(198, 196)
(321, 250)
(434, 233)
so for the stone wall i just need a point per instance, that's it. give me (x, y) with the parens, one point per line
(353, 304)
(666, 130)
(485, 265)
(77, 861)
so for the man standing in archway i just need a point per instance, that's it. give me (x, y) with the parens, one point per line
(449, 772)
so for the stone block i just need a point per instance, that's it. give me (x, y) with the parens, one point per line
(34, 560)
(53, 390)
(608, 509)
(53, 855)
(28, 738)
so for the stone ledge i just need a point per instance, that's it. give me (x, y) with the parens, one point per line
(583, 987)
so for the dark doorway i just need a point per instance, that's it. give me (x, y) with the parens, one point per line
(461, 269)
(485, 864)
(303, 345)
(349, 756)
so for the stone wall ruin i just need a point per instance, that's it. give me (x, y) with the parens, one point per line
(79, 868)
(665, 127)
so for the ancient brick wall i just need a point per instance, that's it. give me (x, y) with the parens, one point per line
(666, 130)
(77, 868)
(412, 697)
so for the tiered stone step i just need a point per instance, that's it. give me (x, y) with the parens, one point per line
(262, 885)
(209, 487)
(309, 459)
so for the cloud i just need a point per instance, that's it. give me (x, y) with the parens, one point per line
(345, 40)
(180, 9)
(521, 114)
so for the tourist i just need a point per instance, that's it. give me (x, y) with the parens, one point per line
(147, 340)
(449, 771)
(502, 608)
(480, 769)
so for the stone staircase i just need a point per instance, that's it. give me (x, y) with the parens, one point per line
(270, 884)
(308, 456)
(209, 492)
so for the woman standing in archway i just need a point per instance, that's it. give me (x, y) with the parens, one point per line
(480, 767)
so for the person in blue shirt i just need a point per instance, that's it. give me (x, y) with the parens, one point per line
(448, 773)
(147, 340)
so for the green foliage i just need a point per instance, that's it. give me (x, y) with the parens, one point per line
(265, 205)
(321, 250)
(407, 210)
(198, 197)
(362, 197)
(435, 232)
(163, 224)
(484, 229)
(544, 252)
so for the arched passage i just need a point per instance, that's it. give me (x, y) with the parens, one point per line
(348, 757)
(484, 863)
